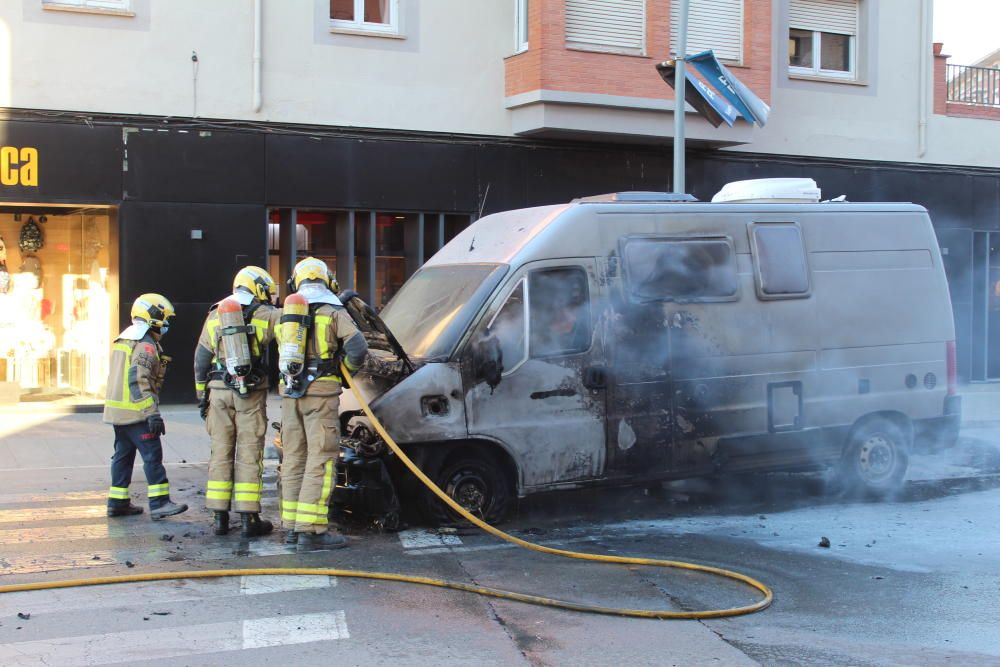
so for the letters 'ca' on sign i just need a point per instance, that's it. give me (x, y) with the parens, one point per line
(19, 166)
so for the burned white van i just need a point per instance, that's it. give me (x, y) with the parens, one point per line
(638, 336)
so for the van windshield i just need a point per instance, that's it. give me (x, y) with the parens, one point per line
(433, 308)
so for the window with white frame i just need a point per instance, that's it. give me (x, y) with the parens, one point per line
(521, 25)
(115, 5)
(712, 24)
(374, 16)
(614, 26)
(822, 38)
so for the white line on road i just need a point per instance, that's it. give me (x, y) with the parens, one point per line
(257, 585)
(175, 642)
(420, 539)
(301, 629)
(32, 514)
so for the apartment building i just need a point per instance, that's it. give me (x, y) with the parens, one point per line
(159, 145)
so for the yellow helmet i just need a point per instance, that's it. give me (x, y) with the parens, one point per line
(152, 308)
(257, 281)
(311, 268)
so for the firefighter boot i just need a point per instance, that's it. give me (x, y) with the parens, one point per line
(254, 526)
(168, 508)
(221, 525)
(320, 541)
(124, 510)
(291, 537)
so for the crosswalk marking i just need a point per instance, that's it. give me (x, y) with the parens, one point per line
(25, 514)
(300, 629)
(176, 642)
(30, 564)
(141, 593)
(257, 585)
(420, 539)
(90, 531)
(22, 498)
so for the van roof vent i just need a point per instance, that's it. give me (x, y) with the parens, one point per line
(639, 196)
(770, 191)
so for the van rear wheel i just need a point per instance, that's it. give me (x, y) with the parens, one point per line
(876, 459)
(477, 483)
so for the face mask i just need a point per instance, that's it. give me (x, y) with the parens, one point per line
(164, 329)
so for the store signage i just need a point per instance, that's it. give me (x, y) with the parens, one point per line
(19, 166)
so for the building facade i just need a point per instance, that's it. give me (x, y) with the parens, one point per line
(166, 144)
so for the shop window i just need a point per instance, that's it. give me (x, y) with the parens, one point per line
(57, 311)
(779, 261)
(378, 17)
(509, 327)
(681, 269)
(559, 301)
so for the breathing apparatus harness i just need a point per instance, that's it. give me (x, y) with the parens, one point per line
(298, 383)
(257, 373)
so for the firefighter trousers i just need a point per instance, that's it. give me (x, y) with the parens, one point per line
(128, 440)
(310, 440)
(236, 425)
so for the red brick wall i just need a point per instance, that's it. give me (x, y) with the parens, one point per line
(549, 65)
(942, 106)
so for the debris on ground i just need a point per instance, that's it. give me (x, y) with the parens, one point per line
(824, 542)
(162, 613)
(167, 537)
(23, 616)
(129, 563)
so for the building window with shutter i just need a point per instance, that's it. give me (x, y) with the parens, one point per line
(96, 6)
(822, 38)
(520, 25)
(715, 25)
(614, 26)
(375, 17)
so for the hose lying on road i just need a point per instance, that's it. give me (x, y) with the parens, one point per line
(441, 583)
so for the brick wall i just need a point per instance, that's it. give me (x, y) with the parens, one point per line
(942, 106)
(549, 65)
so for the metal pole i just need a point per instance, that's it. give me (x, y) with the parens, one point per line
(679, 92)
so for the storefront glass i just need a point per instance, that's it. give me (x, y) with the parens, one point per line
(57, 310)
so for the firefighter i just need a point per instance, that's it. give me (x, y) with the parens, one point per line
(310, 426)
(138, 366)
(231, 383)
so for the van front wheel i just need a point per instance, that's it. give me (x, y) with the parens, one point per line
(876, 459)
(478, 484)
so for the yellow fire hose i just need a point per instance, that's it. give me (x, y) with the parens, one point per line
(441, 583)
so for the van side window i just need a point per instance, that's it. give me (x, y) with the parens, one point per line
(559, 304)
(780, 260)
(680, 269)
(509, 328)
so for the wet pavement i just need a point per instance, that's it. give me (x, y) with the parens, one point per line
(909, 581)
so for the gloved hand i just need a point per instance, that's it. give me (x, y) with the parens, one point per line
(203, 406)
(155, 426)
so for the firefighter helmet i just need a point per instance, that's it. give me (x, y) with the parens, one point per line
(257, 281)
(311, 268)
(153, 309)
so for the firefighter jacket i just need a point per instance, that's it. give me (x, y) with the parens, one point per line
(333, 337)
(208, 368)
(135, 380)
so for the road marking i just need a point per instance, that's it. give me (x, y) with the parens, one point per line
(31, 564)
(90, 531)
(260, 584)
(162, 592)
(301, 629)
(176, 642)
(420, 539)
(33, 514)
(22, 498)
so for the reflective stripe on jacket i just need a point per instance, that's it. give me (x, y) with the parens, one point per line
(134, 381)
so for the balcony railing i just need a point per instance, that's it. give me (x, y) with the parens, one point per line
(979, 86)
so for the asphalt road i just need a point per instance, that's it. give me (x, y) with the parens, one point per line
(910, 581)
